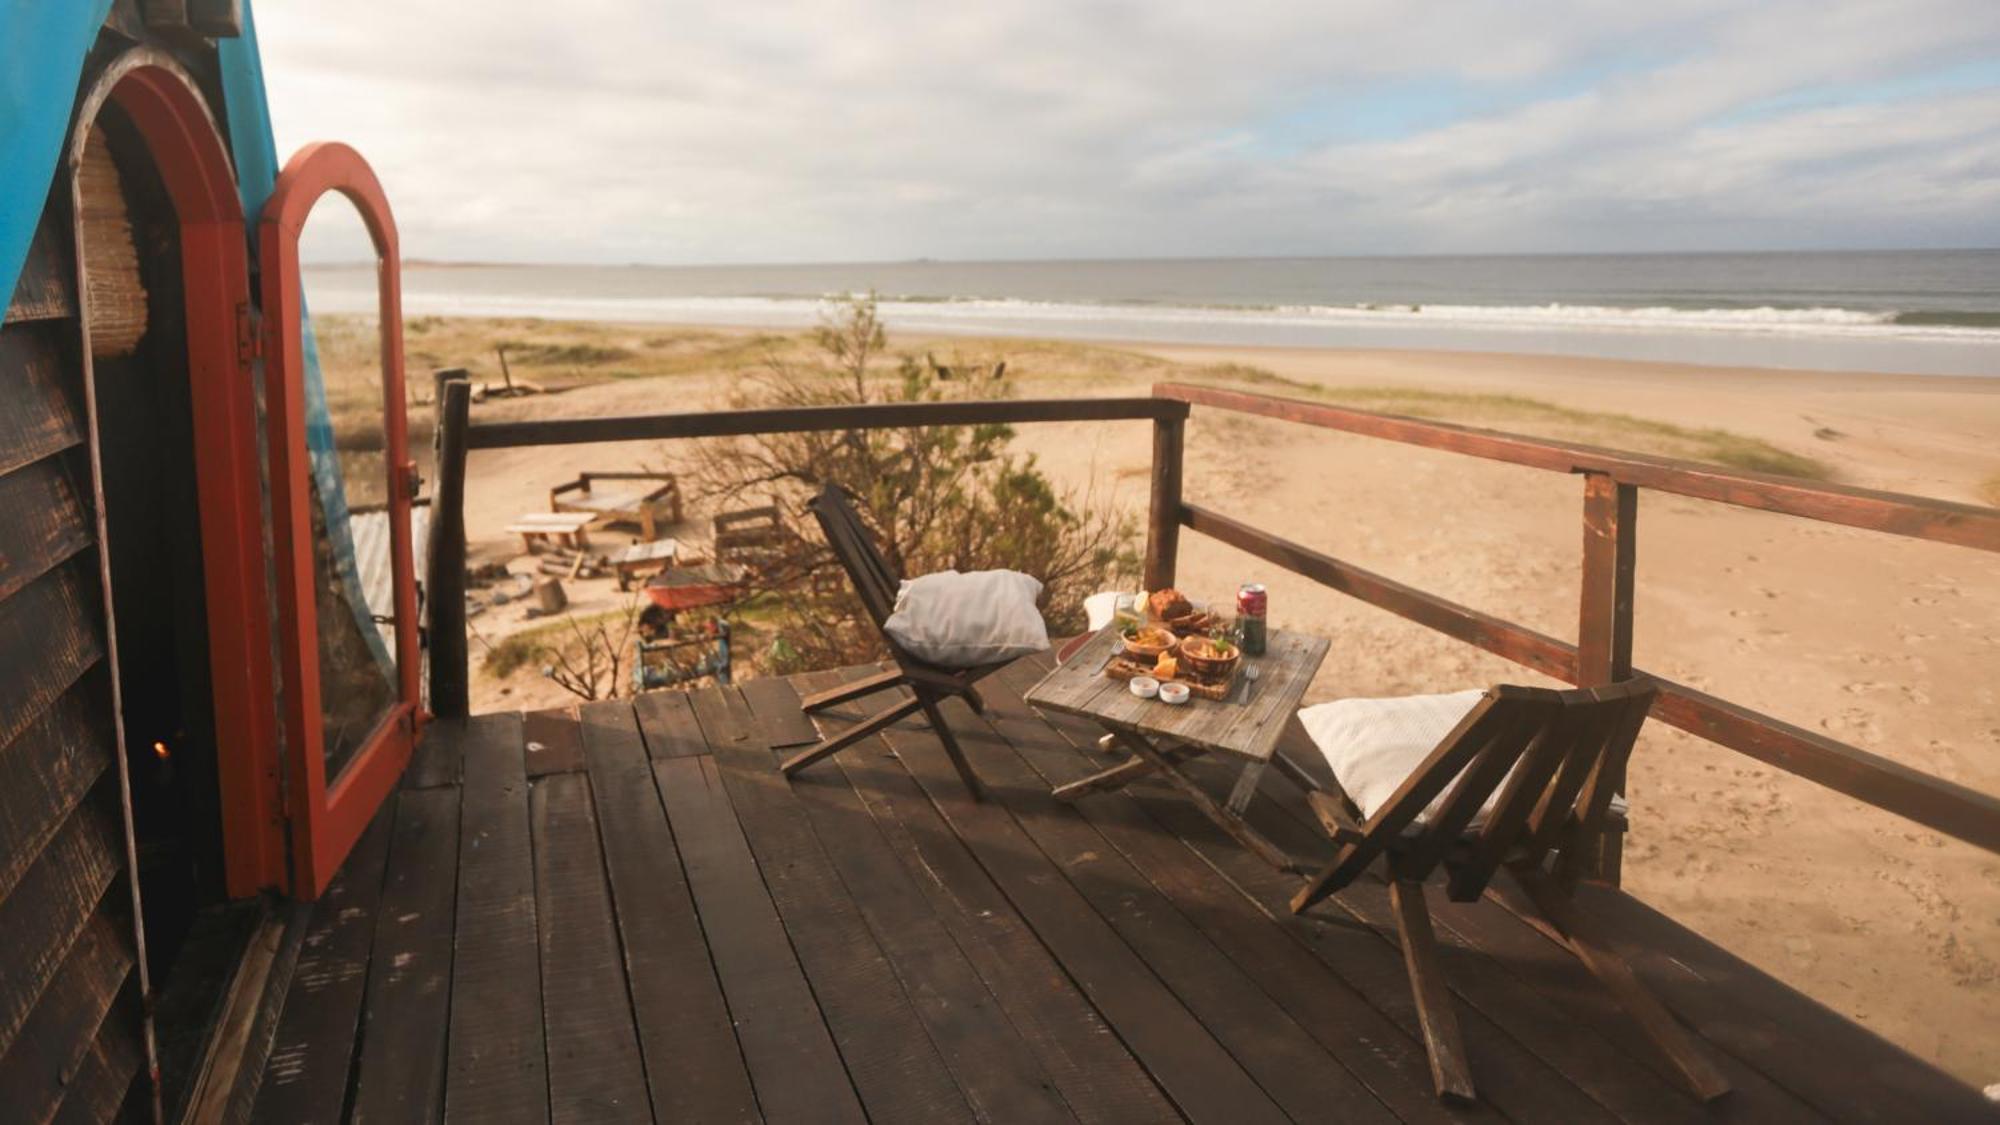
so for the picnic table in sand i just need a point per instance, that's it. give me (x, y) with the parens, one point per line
(552, 528)
(632, 501)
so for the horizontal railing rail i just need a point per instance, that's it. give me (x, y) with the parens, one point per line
(1918, 517)
(456, 436)
(1603, 652)
(806, 419)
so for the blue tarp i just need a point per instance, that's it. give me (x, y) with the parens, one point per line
(42, 46)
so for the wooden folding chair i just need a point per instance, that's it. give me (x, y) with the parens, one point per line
(928, 684)
(1553, 757)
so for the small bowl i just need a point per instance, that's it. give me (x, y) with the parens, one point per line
(1145, 687)
(1150, 642)
(1198, 655)
(1173, 693)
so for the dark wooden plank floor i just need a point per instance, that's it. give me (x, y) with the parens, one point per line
(624, 913)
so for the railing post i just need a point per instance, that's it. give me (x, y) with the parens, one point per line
(1604, 622)
(445, 572)
(1163, 523)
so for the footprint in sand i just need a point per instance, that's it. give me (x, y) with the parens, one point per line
(1866, 687)
(1853, 722)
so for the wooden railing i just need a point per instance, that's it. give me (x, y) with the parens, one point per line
(1602, 652)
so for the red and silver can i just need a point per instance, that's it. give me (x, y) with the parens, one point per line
(1252, 601)
(1252, 607)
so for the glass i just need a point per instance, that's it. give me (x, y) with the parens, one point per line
(353, 577)
(1129, 613)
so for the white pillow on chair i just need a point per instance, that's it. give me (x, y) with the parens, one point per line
(964, 620)
(1373, 745)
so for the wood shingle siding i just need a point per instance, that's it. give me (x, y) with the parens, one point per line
(46, 289)
(54, 901)
(42, 522)
(71, 1030)
(49, 635)
(49, 767)
(60, 1033)
(42, 392)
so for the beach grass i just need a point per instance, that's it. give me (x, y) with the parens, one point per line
(519, 650)
(1540, 418)
(558, 354)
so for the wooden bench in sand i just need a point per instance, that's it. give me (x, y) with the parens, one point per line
(643, 560)
(552, 528)
(649, 506)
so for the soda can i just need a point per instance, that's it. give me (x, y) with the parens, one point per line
(1252, 606)
(1252, 601)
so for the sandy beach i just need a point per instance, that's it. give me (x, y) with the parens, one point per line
(1886, 643)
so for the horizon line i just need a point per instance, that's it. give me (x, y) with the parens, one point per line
(473, 263)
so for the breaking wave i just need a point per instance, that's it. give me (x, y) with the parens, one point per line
(973, 312)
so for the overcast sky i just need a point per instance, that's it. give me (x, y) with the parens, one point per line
(787, 130)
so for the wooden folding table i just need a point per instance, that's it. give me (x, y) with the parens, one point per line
(1160, 737)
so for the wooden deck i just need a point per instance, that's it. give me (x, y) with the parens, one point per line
(630, 916)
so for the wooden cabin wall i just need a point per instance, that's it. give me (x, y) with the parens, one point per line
(71, 1036)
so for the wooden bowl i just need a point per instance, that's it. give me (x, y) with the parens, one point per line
(1148, 643)
(1207, 658)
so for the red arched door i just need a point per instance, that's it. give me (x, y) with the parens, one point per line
(349, 655)
(186, 149)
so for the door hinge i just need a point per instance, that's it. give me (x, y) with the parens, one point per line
(249, 341)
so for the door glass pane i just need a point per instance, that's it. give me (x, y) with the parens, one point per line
(353, 579)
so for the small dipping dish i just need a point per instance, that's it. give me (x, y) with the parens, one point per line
(1174, 693)
(1145, 687)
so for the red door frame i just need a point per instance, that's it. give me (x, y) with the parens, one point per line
(187, 149)
(328, 819)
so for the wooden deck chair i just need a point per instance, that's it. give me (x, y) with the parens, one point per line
(1553, 757)
(928, 684)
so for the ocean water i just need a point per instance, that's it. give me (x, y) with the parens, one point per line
(1926, 312)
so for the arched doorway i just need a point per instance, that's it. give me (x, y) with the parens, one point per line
(171, 408)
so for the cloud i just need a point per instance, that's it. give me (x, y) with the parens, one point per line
(792, 130)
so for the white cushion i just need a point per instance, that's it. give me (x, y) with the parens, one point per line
(1373, 745)
(962, 620)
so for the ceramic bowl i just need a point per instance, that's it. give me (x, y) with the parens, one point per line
(1173, 693)
(1145, 687)
(1147, 645)
(1213, 662)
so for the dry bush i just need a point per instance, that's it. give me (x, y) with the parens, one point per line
(937, 497)
(589, 657)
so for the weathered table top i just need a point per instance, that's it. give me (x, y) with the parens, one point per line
(549, 522)
(639, 554)
(1250, 729)
(612, 500)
